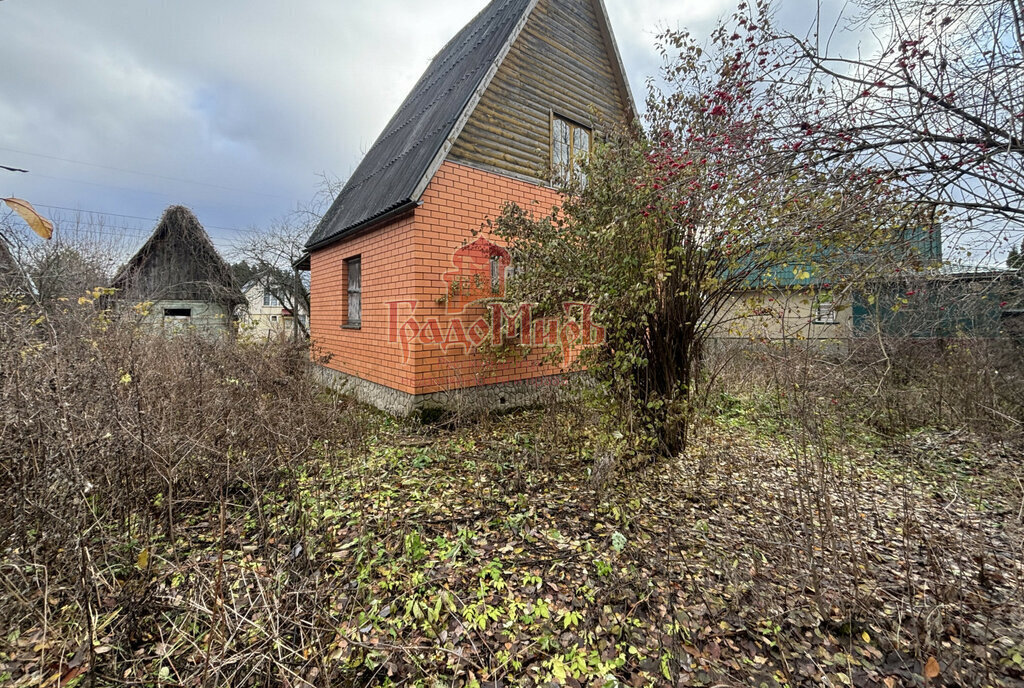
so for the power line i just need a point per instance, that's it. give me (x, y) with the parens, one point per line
(144, 174)
(122, 188)
(164, 194)
(135, 234)
(137, 217)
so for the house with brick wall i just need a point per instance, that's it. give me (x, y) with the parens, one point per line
(402, 264)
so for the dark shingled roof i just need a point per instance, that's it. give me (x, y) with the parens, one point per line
(178, 262)
(388, 176)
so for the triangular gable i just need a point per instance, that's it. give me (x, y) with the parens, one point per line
(178, 261)
(394, 173)
(563, 64)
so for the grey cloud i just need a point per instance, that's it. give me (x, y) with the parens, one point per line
(253, 95)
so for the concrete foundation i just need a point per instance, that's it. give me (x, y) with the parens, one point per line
(493, 397)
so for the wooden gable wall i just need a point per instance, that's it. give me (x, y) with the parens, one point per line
(175, 268)
(560, 63)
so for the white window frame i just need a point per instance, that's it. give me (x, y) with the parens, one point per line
(825, 313)
(354, 288)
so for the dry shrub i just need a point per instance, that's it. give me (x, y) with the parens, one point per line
(890, 468)
(891, 386)
(117, 442)
(973, 383)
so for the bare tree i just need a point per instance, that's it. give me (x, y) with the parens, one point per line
(936, 107)
(82, 254)
(273, 252)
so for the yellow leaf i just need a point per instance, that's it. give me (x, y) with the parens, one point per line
(866, 637)
(931, 668)
(39, 224)
(143, 561)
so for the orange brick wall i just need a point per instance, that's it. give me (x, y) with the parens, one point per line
(405, 261)
(388, 270)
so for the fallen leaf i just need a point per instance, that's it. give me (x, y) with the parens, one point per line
(931, 668)
(39, 224)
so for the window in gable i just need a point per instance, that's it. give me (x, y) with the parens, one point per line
(570, 146)
(270, 300)
(354, 318)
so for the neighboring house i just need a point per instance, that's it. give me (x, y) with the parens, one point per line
(800, 303)
(953, 300)
(512, 102)
(265, 317)
(179, 278)
(814, 315)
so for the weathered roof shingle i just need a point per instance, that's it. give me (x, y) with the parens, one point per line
(388, 176)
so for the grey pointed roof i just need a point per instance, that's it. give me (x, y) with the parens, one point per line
(389, 177)
(178, 261)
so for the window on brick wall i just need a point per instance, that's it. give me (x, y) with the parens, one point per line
(570, 146)
(355, 292)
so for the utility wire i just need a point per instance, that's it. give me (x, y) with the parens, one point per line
(164, 194)
(140, 234)
(144, 174)
(137, 217)
(12, 169)
(121, 188)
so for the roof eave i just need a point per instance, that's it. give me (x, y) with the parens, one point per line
(609, 37)
(369, 223)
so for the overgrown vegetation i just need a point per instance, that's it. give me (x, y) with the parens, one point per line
(181, 510)
(190, 511)
(116, 444)
(677, 219)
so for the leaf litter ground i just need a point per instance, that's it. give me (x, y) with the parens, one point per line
(487, 556)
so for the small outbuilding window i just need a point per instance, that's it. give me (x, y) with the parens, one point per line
(354, 267)
(825, 314)
(570, 146)
(177, 316)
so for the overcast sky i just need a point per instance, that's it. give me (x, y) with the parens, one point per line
(234, 107)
